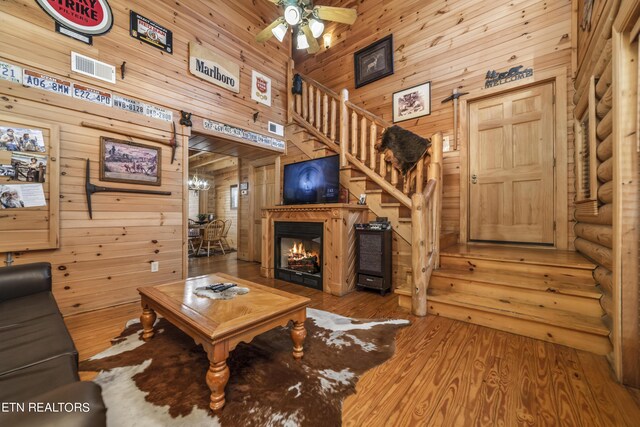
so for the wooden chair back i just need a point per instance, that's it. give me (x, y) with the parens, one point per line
(213, 230)
(227, 226)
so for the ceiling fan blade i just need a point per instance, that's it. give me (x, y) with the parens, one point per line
(313, 43)
(266, 34)
(336, 14)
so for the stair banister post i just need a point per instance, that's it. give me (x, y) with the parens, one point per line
(344, 128)
(419, 254)
(435, 172)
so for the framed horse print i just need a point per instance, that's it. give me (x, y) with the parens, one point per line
(129, 162)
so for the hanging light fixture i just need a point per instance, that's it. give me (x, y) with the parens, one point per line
(280, 31)
(197, 184)
(317, 27)
(302, 42)
(293, 14)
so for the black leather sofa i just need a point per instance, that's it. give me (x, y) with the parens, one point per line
(39, 383)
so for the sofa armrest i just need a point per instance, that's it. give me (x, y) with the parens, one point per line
(23, 280)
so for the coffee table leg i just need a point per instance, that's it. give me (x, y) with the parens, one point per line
(298, 334)
(147, 319)
(217, 377)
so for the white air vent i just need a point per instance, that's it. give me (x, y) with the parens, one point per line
(276, 128)
(92, 68)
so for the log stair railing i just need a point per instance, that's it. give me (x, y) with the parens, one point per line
(354, 132)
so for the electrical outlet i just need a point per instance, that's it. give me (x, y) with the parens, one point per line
(155, 265)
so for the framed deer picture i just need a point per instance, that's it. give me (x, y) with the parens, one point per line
(374, 61)
(129, 162)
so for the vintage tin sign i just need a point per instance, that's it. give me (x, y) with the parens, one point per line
(48, 83)
(250, 137)
(10, 72)
(213, 68)
(92, 95)
(90, 17)
(150, 32)
(261, 88)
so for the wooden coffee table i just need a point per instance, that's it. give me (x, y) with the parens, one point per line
(219, 325)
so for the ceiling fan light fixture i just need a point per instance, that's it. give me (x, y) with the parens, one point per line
(302, 42)
(293, 14)
(280, 31)
(317, 27)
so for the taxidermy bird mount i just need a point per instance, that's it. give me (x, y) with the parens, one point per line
(306, 22)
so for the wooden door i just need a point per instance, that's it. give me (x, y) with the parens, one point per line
(264, 195)
(511, 167)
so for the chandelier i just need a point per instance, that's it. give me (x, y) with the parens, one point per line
(197, 184)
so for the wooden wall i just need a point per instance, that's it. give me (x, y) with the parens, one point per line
(222, 180)
(595, 232)
(452, 44)
(102, 261)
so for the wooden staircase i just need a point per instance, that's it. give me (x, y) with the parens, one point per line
(540, 293)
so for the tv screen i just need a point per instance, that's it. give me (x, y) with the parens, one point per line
(313, 181)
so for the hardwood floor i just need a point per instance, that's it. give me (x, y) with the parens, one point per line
(444, 372)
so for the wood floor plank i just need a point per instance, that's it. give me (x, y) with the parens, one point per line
(443, 373)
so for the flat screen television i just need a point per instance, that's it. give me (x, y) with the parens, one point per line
(312, 181)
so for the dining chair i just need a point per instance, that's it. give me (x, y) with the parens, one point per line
(213, 234)
(227, 227)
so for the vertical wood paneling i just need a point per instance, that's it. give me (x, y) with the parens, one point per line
(452, 44)
(102, 261)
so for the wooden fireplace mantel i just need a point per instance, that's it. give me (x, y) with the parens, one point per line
(338, 265)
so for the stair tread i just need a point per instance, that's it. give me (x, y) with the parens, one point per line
(403, 289)
(358, 178)
(374, 191)
(391, 205)
(526, 281)
(551, 257)
(520, 310)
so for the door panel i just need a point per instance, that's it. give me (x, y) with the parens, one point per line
(264, 195)
(511, 152)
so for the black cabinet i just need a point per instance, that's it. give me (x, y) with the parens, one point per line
(373, 259)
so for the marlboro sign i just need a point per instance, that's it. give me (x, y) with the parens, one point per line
(90, 17)
(213, 68)
(261, 88)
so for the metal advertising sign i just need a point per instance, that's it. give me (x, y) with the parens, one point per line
(493, 78)
(247, 135)
(150, 32)
(89, 17)
(261, 88)
(213, 68)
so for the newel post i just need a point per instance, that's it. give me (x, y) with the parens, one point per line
(435, 172)
(419, 253)
(344, 128)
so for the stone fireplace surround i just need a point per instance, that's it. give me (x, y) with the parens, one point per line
(339, 260)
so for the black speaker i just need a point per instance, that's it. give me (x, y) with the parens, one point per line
(373, 259)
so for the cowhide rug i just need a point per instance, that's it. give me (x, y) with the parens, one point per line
(162, 382)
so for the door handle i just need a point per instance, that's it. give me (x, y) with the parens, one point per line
(474, 179)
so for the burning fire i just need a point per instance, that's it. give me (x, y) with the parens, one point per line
(298, 251)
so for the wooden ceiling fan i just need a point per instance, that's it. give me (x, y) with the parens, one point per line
(307, 20)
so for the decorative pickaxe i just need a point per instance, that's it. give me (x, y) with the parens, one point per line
(91, 189)
(173, 143)
(454, 97)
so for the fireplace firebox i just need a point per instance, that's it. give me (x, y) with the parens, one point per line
(298, 253)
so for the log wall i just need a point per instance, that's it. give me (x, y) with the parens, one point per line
(594, 233)
(452, 44)
(102, 261)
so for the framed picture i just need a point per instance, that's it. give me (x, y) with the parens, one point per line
(21, 139)
(233, 199)
(412, 103)
(124, 161)
(374, 61)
